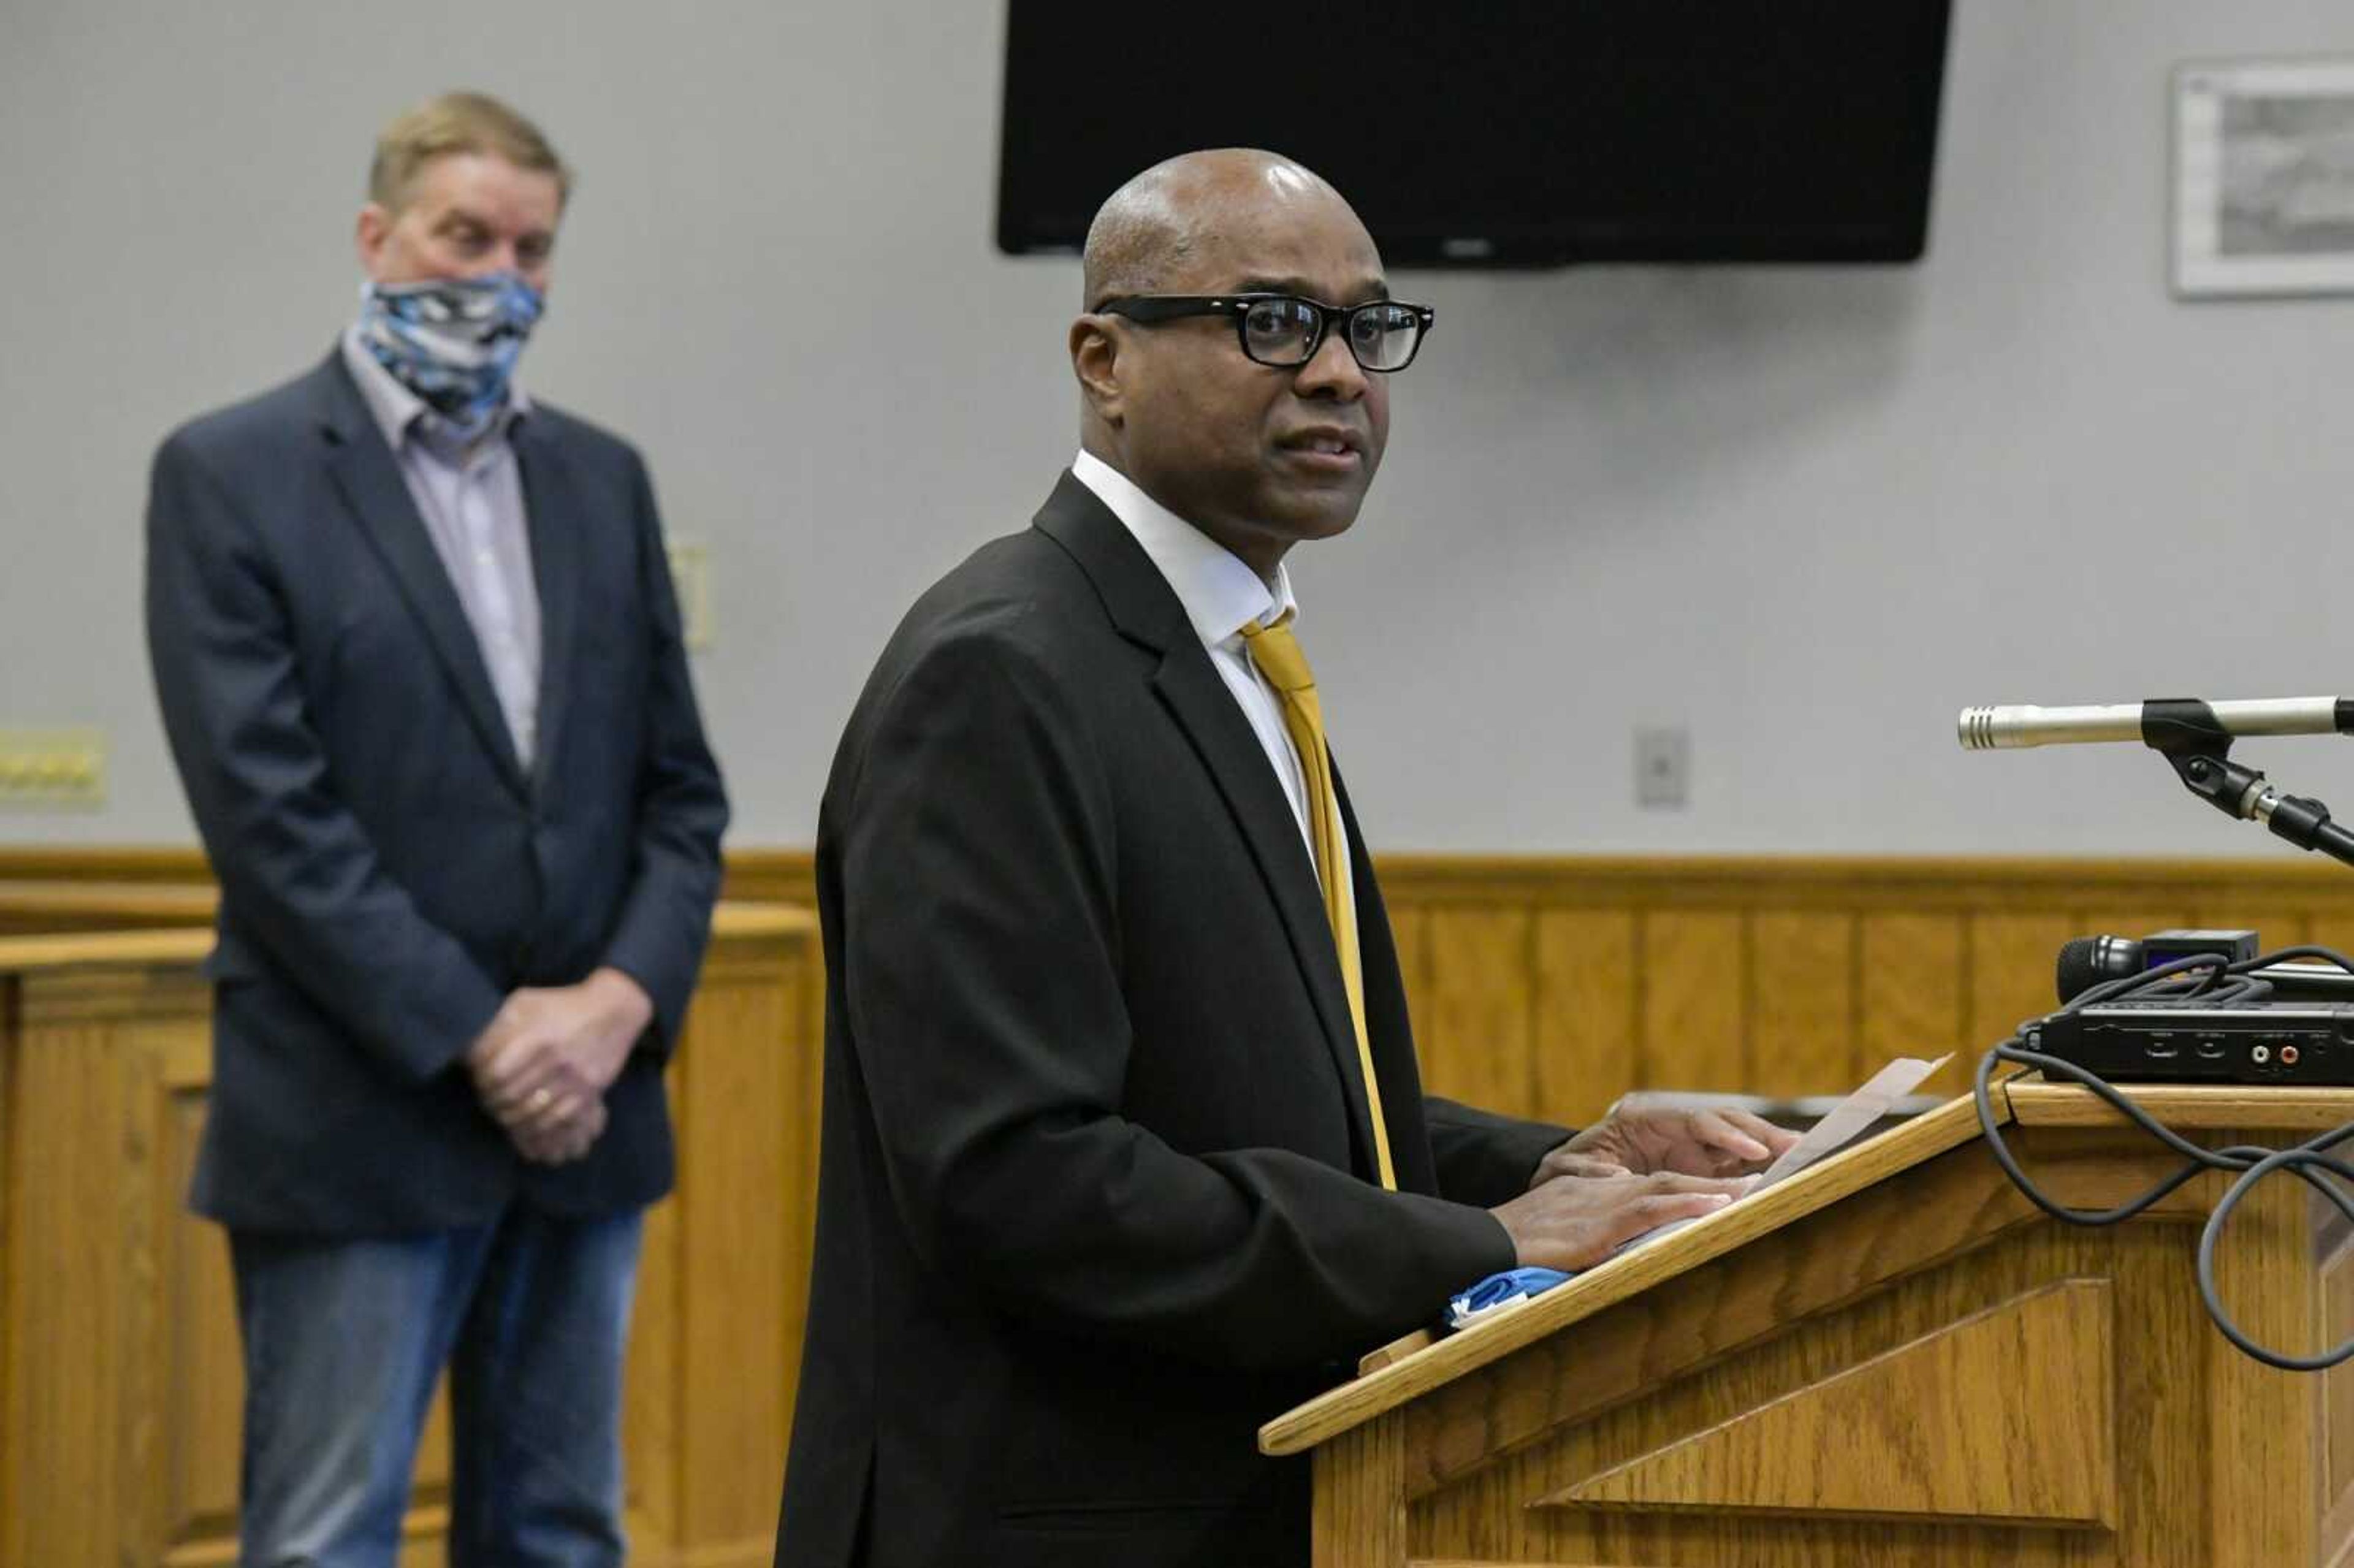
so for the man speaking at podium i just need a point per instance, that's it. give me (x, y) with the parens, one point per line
(1125, 1151)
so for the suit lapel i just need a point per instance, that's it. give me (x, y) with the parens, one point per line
(1146, 611)
(552, 516)
(363, 471)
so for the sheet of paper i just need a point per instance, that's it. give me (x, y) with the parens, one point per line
(1848, 1118)
(1852, 1116)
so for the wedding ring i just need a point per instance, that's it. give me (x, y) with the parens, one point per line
(539, 1098)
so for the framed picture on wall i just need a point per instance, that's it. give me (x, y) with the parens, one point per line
(2264, 177)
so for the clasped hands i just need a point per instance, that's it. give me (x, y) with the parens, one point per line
(545, 1062)
(1641, 1166)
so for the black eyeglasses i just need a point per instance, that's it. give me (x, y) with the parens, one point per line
(1283, 331)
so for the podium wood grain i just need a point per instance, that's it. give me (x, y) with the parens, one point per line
(2037, 1444)
(1895, 1360)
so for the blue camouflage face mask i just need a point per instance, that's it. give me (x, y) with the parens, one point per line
(452, 341)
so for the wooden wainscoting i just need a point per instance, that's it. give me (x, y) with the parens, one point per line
(1559, 985)
(119, 1379)
(1539, 986)
(1550, 986)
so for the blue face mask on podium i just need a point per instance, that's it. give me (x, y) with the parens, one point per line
(452, 341)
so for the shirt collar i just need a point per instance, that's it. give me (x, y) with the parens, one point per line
(1219, 593)
(396, 409)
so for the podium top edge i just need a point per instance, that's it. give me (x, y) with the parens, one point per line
(2025, 1101)
(1853, 1169)
(2186, 1107)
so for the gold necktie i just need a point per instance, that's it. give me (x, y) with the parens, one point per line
(1276, 652)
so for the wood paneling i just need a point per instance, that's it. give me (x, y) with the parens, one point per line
(1551, 986)
(1545, 987)
(1849, 1176)
(1920, 1371)
(2011, 959)
(2338, 1383)
(1913, 997)
(1588, 1029)
(1803, 983)
(120, 1377)
(1692, 979)
(29, 908)
(743, 1253)
(1480, 1000)
(2265, 1425)
(1359, 1506)
(2024, 1432)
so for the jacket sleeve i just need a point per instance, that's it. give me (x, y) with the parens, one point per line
(1485, 1159)
(666, 917)
(982, 967)
(295, 866)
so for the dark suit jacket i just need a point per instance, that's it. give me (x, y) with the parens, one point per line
(388, 871)
(1096, 1196)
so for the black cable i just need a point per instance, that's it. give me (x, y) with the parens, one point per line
(2209, 979)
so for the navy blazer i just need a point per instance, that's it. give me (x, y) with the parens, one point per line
(388, 869)
(1097, 1191)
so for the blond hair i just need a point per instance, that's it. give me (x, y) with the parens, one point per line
(458, 122)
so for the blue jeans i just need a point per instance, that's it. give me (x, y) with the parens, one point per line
(343, 1340)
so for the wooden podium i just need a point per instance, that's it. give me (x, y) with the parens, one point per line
(1892, 1360)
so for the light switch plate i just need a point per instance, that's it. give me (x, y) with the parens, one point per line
(690, 576)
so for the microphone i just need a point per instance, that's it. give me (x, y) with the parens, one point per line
(2159, 723)
(2086, 962)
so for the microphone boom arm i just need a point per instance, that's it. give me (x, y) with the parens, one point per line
(2200, 752)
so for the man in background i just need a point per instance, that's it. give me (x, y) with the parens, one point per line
(417, 650)
(1125, 1151)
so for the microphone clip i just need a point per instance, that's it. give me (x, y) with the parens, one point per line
(2184, 726)
(2202, 761)
(2208, 771)
(2185, 732)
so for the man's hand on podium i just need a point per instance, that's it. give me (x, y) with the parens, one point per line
(1576, 1221)
(1642, 1138)
(1641, 1167)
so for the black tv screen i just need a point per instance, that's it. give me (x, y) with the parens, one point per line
(1503, 132)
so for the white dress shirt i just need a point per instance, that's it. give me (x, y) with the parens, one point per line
(1221, 595)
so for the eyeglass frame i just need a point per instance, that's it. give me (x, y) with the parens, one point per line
(1179, 307)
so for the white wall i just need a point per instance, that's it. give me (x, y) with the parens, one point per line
(1809, 512)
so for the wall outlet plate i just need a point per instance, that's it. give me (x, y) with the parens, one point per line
(1662, 767)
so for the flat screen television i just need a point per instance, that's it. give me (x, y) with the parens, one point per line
(1503, 132)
